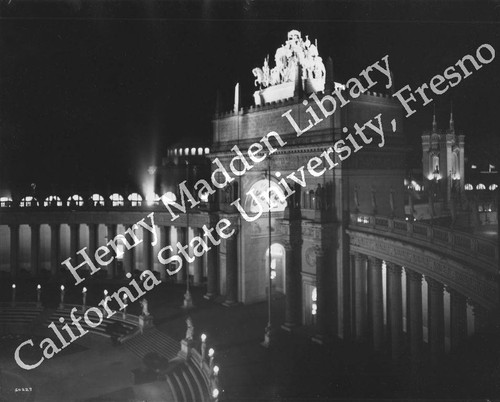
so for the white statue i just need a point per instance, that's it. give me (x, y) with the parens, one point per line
(190, 329)
(144, 305)
(294, 51)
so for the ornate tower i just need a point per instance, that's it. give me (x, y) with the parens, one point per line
(443, 161)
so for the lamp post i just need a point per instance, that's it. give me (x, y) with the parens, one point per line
(38, 294)
(203, 348)
(188, 300)
(84, 297)
(267, 332)
(13, 294)
(61, 305)
(211, 353)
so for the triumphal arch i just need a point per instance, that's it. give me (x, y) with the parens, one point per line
(310, 199)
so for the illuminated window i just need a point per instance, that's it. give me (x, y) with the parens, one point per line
(200, 151)
(186, 151)
(75, 200)
(480, 186)
(152, 199)
(314, 298)
(52, 201)
(116, 200)
(193, 151)
(493, 187)
(207, 151)
(469, 187)
(97, 200)
(135, 199)
(175, 152)
(416, 186)
(5, 202)
(120, 251)
(29, 201)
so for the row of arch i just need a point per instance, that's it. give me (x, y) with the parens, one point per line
(188, 151)
(480, 186)
(117, 200)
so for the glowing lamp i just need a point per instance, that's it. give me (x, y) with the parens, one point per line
(168, 198)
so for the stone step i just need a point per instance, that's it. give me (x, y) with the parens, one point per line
(199, 379)
(174, 388)
(152, 341)
(182, 387)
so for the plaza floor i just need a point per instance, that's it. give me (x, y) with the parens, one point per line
(293, 369)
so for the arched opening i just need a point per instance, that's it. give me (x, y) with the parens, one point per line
(278, 265)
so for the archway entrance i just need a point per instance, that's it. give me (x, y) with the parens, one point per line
(277, 266)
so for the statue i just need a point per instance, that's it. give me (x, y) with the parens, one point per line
(356, 199)
(259, 74)
(190, 329)
(144, 305)
(295, 51)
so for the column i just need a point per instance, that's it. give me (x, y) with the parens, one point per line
(212, 279)
(436, 319)
(458, 318)
(74, 239)
(481, 324)
(55, 247)
(147, 250)
(322, 299)
(360, 296)
(93, 231)
(14, 249)
(414, 305)
(111, 271)
(35, 249)
(231, 271)
(182, 239)
(395, 309)
(198, 262)
(293, 296)
(376, 303)
(164, 242)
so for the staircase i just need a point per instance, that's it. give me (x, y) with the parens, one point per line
(153, 341)
(114, 328)
(186, 382)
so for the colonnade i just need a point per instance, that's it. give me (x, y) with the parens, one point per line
(399, 309)
(131, 259)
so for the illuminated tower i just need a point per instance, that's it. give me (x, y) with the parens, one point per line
(443, 160)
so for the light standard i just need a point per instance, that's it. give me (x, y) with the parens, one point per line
(38, 294)
(268, 330)
(61, 304)
(84, 297)
(13, 294)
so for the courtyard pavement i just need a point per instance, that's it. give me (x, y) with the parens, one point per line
(293, 369)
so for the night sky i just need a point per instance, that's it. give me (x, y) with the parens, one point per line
(91, 93)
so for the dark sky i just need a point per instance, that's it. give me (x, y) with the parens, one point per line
(92, 92)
